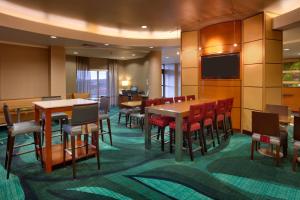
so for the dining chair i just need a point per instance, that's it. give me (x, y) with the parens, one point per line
(61, 117)
(296, 134)
(220, 118)
(139, 116)
(82, 95)
(208, 122)
(190, 97)
(179, 99)
(228, 117)
(266, 132)
(104, 115)
(20, 129)
(167, 100)
(190, 125)
(82, 115)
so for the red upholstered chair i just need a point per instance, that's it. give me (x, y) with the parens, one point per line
(157, 120)
(220, 118)
(167, 100)
(179, 99)
(208, 121)
(190, 97)
(190, 125)
(229, 105)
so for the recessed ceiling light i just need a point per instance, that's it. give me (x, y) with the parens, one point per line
(166, 57)
(106, 44)
(144, 26)
(53, 37)
(151, 47)
(200, 48)
(133, 54)
(219, 52)
(75, 52)
(286, 49)
(177, 52)
(235, 45)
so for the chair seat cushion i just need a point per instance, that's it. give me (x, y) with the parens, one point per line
(208, 122)
(194, 127)
(159, 121)
(297, 144)
(24, 127)
(76, 130)
(103, 116)
(266, 139)
(220, 117)
(228, 114)
(56, 116)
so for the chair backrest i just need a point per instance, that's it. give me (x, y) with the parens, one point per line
(221, 106)
(179, 99)
(159, 101)
(143, 105)
(7, 115)
(265, 123)
(167, 100)
(84, 114)
(210, 110)
(81, 95)
(196, 113)
(50, 98)
(229, 104)
(104, 104)
(136, 98)
(190, 97)
(296, 128)
(281, 110)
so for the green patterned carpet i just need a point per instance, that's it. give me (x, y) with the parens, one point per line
(128, 171)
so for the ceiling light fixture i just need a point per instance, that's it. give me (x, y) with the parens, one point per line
(133, 54)
(200, 48)
(167, 57)
(177, 52)
(286, 49)
(106, 44)
(53, 37)
(235, 44)
(75, 53)
(151, 47)
(144, 26)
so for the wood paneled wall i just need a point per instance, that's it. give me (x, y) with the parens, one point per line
(262, 66)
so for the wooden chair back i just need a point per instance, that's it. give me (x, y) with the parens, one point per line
(297, 128)
(265, 123)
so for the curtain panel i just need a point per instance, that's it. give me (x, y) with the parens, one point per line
(113, 82)
(82, 74)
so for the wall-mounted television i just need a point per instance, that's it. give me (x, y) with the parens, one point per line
(225, 66)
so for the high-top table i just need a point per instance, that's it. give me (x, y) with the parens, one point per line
(176, 110)
(52, 154)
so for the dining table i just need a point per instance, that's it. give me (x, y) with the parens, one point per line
(53, 153)
(177, 111)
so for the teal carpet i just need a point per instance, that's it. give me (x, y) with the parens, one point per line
(128, 171)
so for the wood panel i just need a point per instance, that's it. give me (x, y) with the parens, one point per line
(190, 76)
(253, 52)
(189, 58)
(190, 90)
(274, 75)
(253, 98)
(224, 49)
(253, 28)
(189, 40)
(291, 98)
(221, 82)
(273, 51)
(273, 96)
(253, 75)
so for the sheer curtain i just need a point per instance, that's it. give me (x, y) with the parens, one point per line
(113, 82)
(83, 75)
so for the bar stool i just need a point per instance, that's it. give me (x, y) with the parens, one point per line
(104, 115)
(82, 115)
(179, 99)
(57, 116)
(190, 97)
(17, 129)
(189, 126)
(208, 122)
(220, 118)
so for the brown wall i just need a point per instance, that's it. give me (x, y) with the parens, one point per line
(23, 71)
(70, 75)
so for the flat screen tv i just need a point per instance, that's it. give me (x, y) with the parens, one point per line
(226, 66)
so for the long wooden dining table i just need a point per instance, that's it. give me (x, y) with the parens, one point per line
(49, 107)
(176, 110)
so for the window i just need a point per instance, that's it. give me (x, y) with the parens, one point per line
(168, 80)
(98, 83)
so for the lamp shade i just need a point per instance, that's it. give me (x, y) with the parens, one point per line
(125, 83)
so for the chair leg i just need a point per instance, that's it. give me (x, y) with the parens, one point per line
(35, 145)
(230, 124)
(109, 131)
(119, 118)
(204, 140)
(127, 118)
(61, 126)
(130, 121)
(295, 159)
(200, 141)
(64, 147)
(217, 132)
(97, 149)
(101, 129)
(171, 140)
(7, 151)
(188, 135)
(163, 139)
(277, 154)
(10, 154)
(224, 129)
(73, 155)
(158, 133)
(254, 143)
(212, 134)
(41, 149)
(86, 143)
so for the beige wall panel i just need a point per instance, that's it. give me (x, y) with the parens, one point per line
(253, 98)
(270, 33)
(253, 52)
(291, 98)
(253, 75)
(70, 75)
(57, 71)
(217, 92)
(273, 96)
(190, 76)
(24, 71)
(273, 75)
(189, 90)
(189, 59)
(247, 119)
(220, 82)
(273, 51)
(189, 40)
(154, 66)
(253, 28)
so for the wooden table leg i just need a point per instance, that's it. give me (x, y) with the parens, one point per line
(147, 131)
(48, 142)
(178, 138)
(37, 114)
